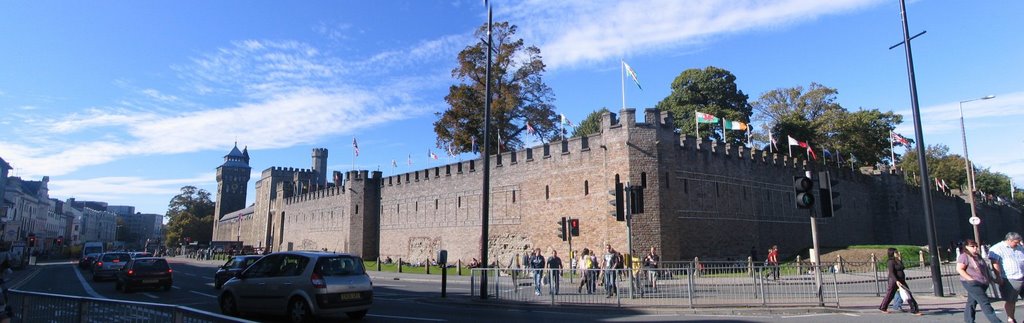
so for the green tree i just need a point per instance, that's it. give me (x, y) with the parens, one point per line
(519, 94)
(941, 164)
(814, 116)
(190, 214)
(711, 90)
(994, 183)
(591, 124)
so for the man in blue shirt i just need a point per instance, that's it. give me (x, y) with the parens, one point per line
(1008, 263)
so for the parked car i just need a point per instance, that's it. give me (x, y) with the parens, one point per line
(108, 263)
(300, 284)
(86, 261)
(234, 265)
(139, 254)
(145, 272)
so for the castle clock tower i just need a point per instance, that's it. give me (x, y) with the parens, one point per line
(232, 182)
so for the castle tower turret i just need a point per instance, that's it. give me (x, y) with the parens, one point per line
(232, 182)
(320, 166)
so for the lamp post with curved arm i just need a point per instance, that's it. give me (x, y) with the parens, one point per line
(970, 170)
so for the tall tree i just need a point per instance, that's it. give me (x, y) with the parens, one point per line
(711, 90)
(994, 183)
(519, 94)
(941, 165)
(190, 214)
(591, 124)
(863, 133)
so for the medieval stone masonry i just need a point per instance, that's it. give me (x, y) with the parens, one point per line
(700, 199)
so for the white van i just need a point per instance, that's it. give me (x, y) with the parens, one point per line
(92, 247)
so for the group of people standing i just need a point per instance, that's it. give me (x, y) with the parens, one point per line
(1006, 272)
(592, 268)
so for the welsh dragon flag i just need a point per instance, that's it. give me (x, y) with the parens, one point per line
(706, 118)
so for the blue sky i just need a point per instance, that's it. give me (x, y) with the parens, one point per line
(126, 102)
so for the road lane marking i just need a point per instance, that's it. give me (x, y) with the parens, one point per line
(88, 289)
(189, 274)
(175, 287)
(407, 318)
(204, 294)
(387, 285)
(151, 295)
(35, 271)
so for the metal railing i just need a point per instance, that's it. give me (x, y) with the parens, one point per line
(44, 307)
(706, 284)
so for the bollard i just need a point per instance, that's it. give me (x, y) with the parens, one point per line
(874, 268)
(400, 264)
(378, 263)
(458, 268)
(427, 265)
(750, 266)
(839, 264)
(920, 256)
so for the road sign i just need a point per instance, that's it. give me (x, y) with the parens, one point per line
(974, 220)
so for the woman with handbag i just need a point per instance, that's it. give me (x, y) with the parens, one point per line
(897, 282)
(974, 276)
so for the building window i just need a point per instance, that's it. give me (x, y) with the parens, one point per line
(513, 196)
(586, 188)
(547, 192)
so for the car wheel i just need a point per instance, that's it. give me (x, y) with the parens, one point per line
(228, 306)
(299, 312)
(217, 284)
(357, 314)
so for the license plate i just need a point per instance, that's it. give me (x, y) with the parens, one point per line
(150, 281)
(350, 296)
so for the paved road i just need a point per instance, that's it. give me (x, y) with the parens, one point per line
(416, 298)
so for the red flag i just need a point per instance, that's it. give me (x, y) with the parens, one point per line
(900, 139)
(355, 146)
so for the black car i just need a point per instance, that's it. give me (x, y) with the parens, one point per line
(86, 261)
(232, 267)
(145, 272)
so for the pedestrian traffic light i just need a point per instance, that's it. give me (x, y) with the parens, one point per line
(31, 241)
(829, 197)
(562, 230)
(636, 200)
(802, 194)
(574, 227)
(619, 212)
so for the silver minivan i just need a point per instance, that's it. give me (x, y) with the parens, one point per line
(300, 284)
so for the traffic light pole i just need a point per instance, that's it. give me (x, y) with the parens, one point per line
(816, 256)
(571, 257)
(629, 233)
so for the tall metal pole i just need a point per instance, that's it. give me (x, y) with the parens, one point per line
(816, 257)
(926, 193)
(485, 198)
(970, 169)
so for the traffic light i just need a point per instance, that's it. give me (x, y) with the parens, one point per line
(829, 197)
(636, 200)
(619, 213)
(562, 230)
(803, 196)
(574, 227)
(31, 241)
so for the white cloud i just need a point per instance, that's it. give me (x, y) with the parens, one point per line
(575, 32)
(945, 118)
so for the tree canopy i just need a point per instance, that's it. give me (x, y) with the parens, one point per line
(190, 215)
(814, 116)
(711, 90)
(941, 164)
(519, 94)
(591, 124)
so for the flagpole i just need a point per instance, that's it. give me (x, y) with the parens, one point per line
(622, 68)
(723, 130)
(892, 150)
(790, 145)
(696, 125)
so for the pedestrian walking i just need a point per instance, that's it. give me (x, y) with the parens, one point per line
(974, 276)
(651, 264)
(612, 263)
(537, 264)
(6, 312)
(773, 262)
(554, 272)
(897, 282)
(1008, 263)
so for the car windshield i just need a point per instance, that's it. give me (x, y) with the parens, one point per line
(340, 266)
(150, 265)
(117, 257)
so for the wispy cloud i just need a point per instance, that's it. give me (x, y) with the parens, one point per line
(945, 118)
(114, 189)
(576, 32)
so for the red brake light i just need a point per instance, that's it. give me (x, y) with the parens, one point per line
(99, 264)
(117, 260)
(131, 272)
(317, 280)
(170, 270)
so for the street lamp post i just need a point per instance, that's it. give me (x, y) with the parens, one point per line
(970, 170)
